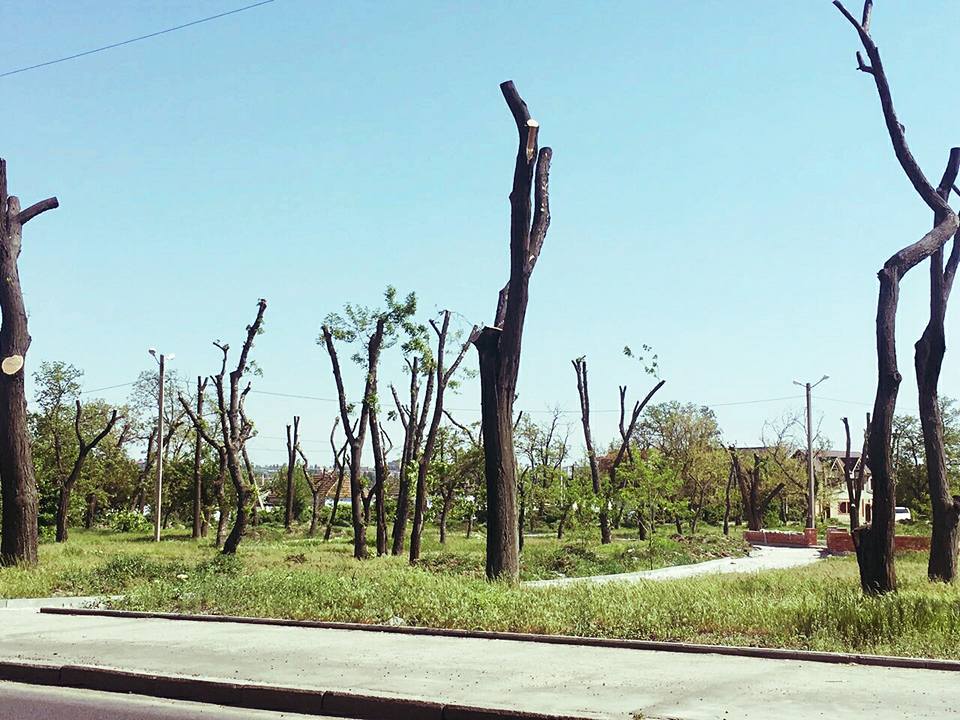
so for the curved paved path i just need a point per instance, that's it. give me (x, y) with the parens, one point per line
(760, 558)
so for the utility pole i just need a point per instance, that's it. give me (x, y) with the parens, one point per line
(811, 488)
(158, 495)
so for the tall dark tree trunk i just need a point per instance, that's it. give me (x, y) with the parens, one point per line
(378, 492)
(875, 541)
(928, 362)
(293, 442)
(196, 530)
(499, 346)
(18, 486)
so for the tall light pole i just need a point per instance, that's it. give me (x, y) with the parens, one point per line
(158, 494)
(811, 491)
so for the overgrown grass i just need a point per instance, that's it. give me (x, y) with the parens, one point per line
(101, 562)
(819, 607)
(816, 607)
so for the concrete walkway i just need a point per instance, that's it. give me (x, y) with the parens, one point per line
(760, 558)
(599, 682)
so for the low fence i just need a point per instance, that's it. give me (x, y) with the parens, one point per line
(839, 541)
(807, 538)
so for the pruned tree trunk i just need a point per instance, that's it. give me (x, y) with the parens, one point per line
(875, 541)
(378, 491)
(356, 435)
(293, 442)
(580, 366)
(18, 485)
(498, 346)
(236, 428)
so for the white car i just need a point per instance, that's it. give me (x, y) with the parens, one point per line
(901, 513)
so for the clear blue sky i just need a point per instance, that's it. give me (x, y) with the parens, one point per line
(723, 189)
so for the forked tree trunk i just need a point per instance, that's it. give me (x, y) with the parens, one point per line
(67, 484)
(18, 486)
(339, 466)
(442, 376)
(356, 435)
(499, 346)
(583, 388)
(875, 541)
(236, 429)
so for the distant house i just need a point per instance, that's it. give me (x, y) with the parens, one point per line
(833, 468)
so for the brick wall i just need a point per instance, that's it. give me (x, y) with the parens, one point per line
(839, 541)
(807, 538)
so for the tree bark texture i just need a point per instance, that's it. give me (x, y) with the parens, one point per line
(18, 485)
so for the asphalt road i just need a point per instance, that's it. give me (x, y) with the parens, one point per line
(36, 702)
(601, 682)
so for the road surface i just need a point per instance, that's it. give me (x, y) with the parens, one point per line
(599, 682)
(760, 558)
(36, 702)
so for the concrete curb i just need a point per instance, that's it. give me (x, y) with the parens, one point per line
(252, 696)
(656, 645)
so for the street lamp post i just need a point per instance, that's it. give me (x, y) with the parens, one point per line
(811, 490)
(158, 494)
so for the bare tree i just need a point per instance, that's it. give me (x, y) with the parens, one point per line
(18, 485)
(293, 442)
(413, 417)
(340, 462)
(580, 367)
(499, 346)
(68, 482)
(442, 377)
(319, 484)
(235, 427)
(853, 473)
(750, 483)
(611, 465)
(875, 541)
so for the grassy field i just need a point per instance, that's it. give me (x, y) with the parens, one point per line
(101, 562)
(816, 607)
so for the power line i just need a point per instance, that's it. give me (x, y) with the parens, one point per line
(848, 402)
(136, 39)
(108, 387)
(315, 398)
